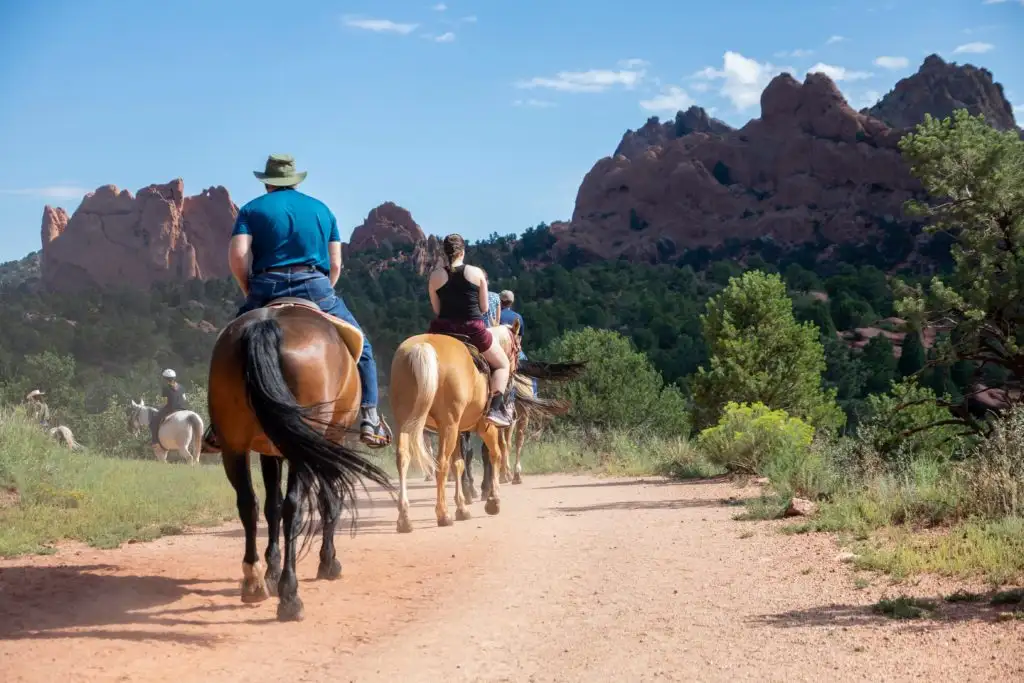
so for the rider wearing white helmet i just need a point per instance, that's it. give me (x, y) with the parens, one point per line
(175, 400)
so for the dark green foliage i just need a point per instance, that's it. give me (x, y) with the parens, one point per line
(879, 364)
(913, 356)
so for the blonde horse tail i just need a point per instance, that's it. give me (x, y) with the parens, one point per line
(423, 363)
(196, 446)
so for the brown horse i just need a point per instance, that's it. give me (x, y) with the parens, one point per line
(283, 383)
(436, 383)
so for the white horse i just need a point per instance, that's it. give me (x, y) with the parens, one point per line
(181, 431)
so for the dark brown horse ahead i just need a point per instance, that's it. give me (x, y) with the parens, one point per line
(283, 383)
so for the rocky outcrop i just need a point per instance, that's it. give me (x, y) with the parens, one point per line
(388, 225)
(115, 238)
(654, 132)
(939, 88)
(811, 169)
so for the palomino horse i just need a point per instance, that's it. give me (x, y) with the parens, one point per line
(283, 382)
(63, 436)
(437, 384)
(181, 431)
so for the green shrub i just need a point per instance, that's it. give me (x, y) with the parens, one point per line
(753, 439)
(620, 389)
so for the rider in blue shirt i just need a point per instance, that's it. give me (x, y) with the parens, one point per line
(286, 243)
(509, 317)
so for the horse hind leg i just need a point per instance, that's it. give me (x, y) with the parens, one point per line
(461, 511)
(330, 511)
(402, 456)
(521, 426)
(290, 607)
(447, 442)
(468, 487)
(491, 438)
(236, 467)
(271, 468)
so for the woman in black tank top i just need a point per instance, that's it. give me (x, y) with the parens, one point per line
(460, 298)
(456, 300)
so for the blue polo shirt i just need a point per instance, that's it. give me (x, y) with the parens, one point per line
(508, 317)
(288, 228)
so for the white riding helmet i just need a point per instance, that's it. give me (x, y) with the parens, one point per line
(169, 374)
(34, 393)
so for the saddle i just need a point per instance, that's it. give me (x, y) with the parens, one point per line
(350, 335)
(481, 364)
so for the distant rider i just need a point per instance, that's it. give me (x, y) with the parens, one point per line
(286, 243)
(37, 408)
(457, 294)
(174, 396)
(509, 317)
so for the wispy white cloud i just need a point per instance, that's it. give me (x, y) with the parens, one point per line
(439, 7)
(1018, 109)
(379, 25)
(471, 19)
(447, 37)
(594, 80)
(700, 86)
(50, 192)
(797, 54)
(536, 104)
(839, 73)
(670, 99)
(832, 40)
(742, 78)
(999, 2)
(892, 62)
(973, 48)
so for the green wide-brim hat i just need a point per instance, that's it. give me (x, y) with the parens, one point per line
(280, 171)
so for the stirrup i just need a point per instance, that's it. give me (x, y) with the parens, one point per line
(375, 435)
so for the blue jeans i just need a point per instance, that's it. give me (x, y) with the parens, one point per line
(315, 287)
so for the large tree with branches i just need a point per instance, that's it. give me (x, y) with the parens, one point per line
(974, 176)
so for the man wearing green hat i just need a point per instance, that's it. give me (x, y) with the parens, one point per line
(286, 243)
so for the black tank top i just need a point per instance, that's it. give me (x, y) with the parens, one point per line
(460, 298)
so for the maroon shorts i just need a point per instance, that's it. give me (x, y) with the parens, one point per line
(475, 330)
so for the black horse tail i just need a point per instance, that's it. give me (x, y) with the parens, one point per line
(321, 465)
(555, 372)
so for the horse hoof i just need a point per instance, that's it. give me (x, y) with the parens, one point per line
(517, 479)
(329, 570)
(253, 591)
(445, 521)
(462, 515)
(492, 507)
(469, 498)
(404, 526)
(290, 610)
(503, 479)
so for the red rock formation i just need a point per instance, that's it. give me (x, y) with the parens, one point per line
(116, 239)
(387, 225)
(693, 120)
(939, 88)
(810, 166)
(810, 169)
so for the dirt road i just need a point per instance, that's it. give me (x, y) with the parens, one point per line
(578, 579)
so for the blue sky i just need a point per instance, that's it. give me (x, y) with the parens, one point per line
(479, 116)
